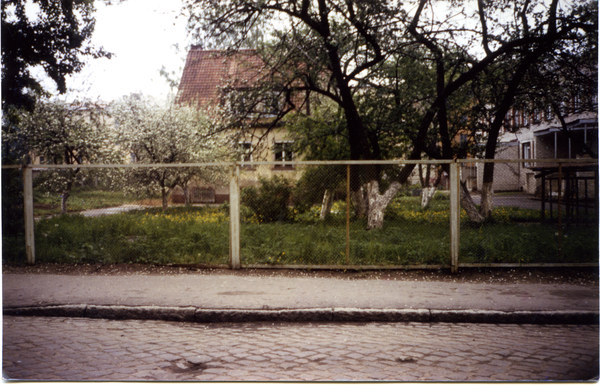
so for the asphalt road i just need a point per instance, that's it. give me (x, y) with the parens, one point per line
(78, 349)
(233, 292)
(523, 201)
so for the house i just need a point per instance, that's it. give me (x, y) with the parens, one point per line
(539, 135)
(215, 80)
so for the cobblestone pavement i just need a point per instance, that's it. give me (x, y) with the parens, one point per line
(93, 349)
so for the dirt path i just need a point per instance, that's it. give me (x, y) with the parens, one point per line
(582, 276)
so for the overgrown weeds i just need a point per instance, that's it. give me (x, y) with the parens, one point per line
(410, 236)
(190, 235)
(46, 203)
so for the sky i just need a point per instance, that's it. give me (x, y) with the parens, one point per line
(141, 34)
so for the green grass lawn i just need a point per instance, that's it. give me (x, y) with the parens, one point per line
(190, 235)
(49, 204)
(410, 236)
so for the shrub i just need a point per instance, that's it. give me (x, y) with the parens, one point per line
(311, 186)
(269, 203)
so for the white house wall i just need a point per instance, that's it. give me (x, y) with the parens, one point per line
(546, 141)
(507, 176)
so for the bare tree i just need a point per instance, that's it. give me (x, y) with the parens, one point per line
(336, 48)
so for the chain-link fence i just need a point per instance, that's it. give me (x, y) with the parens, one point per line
(311, 214)
(129, 214)
(540, 213)
(318, 214)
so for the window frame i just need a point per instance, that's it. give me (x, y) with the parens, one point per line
(527, 152)
(287, 155)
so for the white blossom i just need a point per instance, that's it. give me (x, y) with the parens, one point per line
(168, 134)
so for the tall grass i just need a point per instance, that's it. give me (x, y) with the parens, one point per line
(411, 235)
(80, 199)
(179, 236)
(528, 243)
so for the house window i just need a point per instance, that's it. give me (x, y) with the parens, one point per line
(536, 116)
(237, 101)
(576, 102)
(272, 103)
(507, 122)
(525, 118)
(283, 153)
(527, 153)
(549, 113)
(518, 119)
(246, 151)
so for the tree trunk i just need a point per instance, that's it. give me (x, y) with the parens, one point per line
(63, 202)
(186, 195)
(361, 205)
(429, 188)
(327, 204)
(165, 198)
(379, 202)
(466, 202)
(67, 190)
(425, 180)
(427, 194)
(487, 200)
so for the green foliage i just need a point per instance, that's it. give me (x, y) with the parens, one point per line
(149, 236)
(293, 244)
(57, 38)
(311, 186)
(401, 244)
(81, 199)
(201, 235)
(320, 135)
(386, 80)
(269, 203)
(502, 243)
(12, 202)
(166, 133)
(527, 243)
(61, 133)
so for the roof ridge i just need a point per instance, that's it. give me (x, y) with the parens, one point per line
(197, 47)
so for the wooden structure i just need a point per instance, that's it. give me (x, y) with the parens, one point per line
(569, 189)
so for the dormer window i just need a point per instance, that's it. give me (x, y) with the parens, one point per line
(246, 151)
(283, 153)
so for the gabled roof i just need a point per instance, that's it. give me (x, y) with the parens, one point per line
(207, 72)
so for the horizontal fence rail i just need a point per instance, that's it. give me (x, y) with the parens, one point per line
(302, 163)
(311, 214)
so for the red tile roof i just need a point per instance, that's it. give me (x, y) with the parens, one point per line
(207, 72)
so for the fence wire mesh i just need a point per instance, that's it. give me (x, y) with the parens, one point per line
(118, 215)
(541, 212)
(315, 215)
(13, 222)
(306, 214)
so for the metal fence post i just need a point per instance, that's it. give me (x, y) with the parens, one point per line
(234, 218)
(347, 214)
(454, 215)
(28, 213)
(560, 230)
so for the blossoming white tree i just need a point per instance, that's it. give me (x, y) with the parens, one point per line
(56, 132)
(168, 134)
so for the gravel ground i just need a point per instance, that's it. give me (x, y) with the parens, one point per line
(580, 276)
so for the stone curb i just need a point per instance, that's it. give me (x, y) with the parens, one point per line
(200, 315)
